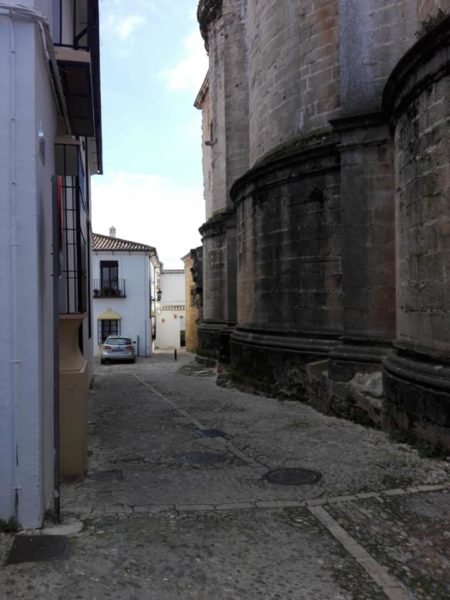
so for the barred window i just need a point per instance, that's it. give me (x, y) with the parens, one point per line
(107, 327)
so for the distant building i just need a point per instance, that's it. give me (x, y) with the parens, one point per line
(193, 296)
(50, 144)
(124, 290)
(171, 311)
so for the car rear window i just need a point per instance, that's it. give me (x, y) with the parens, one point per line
(118, 341)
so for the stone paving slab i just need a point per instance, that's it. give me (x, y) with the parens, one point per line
(270, 556)
(409, 534)
(169, 528)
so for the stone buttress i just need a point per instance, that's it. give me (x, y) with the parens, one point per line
(224, 104)
(417, 374)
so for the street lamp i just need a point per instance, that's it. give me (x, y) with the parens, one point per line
(153, 312)
(158, 296)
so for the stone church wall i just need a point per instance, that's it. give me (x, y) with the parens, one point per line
(417, 374)
(324, 246)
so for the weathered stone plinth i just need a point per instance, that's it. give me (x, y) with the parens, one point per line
(274, 362)
(214, 340)
(349, 358)
(73, 389)
(417, 391)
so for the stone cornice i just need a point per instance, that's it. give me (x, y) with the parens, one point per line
(317, 154)
(218, 224)
(207, 12)
(424, 64)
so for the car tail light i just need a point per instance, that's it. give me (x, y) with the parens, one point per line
(128, 347)
(106, 347)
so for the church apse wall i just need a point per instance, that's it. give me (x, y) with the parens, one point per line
(312, 273)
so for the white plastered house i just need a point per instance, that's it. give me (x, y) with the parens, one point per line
(171, 310)
(124, 290)
(50, 144)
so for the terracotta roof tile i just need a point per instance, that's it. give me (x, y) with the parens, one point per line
(105, 242)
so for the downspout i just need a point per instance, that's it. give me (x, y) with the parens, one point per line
(16, 362)
(29, 14)
(56, 276)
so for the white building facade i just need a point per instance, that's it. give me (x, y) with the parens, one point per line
(50, 144)
(171, 310)
(124, 290)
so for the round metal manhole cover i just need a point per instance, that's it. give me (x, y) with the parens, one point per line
(293, 476)
(204, 459)
(212, 433)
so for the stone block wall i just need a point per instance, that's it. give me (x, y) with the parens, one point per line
(289, 244)
(430, 8)
(217, 148)
(236, 91)
(293, 70)
(374, 35)
(417, 374)
(225, 138)
(310, 254)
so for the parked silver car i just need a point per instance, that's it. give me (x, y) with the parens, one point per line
(118, 347)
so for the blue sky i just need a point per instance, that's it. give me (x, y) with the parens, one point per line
(153, 63)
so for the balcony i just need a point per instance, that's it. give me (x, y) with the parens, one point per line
(76, 39)
(108, 289)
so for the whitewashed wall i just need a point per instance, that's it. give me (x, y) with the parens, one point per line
(171, 314)
(134, 309)
(26, 314)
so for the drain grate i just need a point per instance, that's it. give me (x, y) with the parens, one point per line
(293, 476)
(114, 475)
(204, 459)
(32, 548)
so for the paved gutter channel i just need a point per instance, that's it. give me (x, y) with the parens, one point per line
(178, 506)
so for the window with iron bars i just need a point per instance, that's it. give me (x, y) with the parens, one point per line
(71, 23)
(107, 327)
(73, 225)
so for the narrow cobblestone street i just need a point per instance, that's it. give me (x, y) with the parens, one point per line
(179, 505)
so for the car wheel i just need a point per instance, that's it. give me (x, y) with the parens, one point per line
(103, 362)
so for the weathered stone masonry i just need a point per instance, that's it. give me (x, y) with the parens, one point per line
(316, 270)
(417, 374)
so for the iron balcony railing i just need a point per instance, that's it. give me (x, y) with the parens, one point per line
(113, 288)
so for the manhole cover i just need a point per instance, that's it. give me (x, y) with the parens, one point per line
(31, 548)
(212, 433)
(293, 476)
(115, 475)
(204, 459)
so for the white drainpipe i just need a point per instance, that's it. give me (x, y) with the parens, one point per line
(16, 362)
(22, 13)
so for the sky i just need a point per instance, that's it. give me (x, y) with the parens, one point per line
(153, 62)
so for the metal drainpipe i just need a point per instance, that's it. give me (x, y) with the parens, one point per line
(14, 251)
(56, 276)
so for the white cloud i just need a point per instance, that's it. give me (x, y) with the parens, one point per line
(120, 18)
(126, 27)
(188, 74)
(149, 209)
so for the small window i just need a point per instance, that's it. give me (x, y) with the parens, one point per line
(106, 328)
(109, 276)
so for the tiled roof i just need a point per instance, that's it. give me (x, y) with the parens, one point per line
(105, 242)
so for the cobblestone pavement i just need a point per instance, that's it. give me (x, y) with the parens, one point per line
(177, 504)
